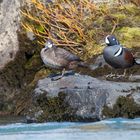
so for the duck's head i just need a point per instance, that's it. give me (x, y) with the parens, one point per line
(49, 44)
(111, 40)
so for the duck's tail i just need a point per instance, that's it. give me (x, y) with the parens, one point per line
(89, 66)
(137, 61)
(83, 64)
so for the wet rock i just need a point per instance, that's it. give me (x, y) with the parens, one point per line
(84, 97)
(11, 119)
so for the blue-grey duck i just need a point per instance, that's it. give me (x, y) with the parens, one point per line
(116, 55)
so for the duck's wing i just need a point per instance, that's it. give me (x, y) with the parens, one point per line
(62, 53)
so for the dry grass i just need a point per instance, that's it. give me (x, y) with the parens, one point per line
(63, 21)
(135, 2)
(79, 25)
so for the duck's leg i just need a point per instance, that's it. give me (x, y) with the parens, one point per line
(124, 72)
(111, 75)
(123, 75)
(59, 77)
(118, 76)
(63, 72)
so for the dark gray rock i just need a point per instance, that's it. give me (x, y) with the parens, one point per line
(86, 95)
(98, 63)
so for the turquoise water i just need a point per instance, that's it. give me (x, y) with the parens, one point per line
(113, 129)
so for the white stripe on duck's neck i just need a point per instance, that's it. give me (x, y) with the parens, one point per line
(106, 40)
(119, 52)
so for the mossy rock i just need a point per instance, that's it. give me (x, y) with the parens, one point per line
(54, 109)
(18, 73)
(124, 107)
(33, 62)
(57, 109)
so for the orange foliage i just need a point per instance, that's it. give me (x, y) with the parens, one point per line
(61, 21)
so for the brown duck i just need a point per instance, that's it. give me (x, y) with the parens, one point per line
(59, 58)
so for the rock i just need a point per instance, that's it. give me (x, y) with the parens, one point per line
(99, 63)
(18, 55)
(84, 96)
(9, 18)
(134, 78)
(11, 119)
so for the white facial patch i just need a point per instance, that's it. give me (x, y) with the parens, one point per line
(50, 45)
(106, 40)
(118, 52)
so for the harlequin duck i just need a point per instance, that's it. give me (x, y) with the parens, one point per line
(116, 55)
(59, 58)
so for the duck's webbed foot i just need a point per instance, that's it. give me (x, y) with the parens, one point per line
(117, 76)
(111, 75)
(56, 78)
(64, 73)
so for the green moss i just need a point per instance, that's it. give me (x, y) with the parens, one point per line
(20, 72)
(124, 107)
(119, 16)
(131, 9)
(131, 33)
(54, 109)
(129, 36)
(34, 62)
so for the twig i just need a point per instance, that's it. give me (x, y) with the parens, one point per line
(114, 27)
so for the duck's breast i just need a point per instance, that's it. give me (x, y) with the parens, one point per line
(51, 60)
(118, 57)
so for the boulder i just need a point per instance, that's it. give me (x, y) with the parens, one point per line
(80, 97)
(9, 18)
(17, 55)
